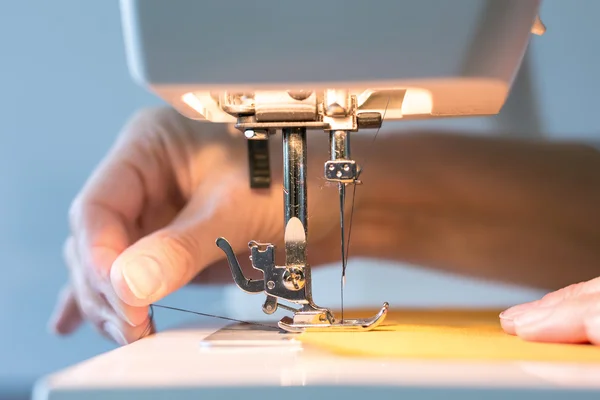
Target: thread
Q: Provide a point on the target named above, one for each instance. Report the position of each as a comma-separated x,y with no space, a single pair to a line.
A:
345,257
150,325
358,176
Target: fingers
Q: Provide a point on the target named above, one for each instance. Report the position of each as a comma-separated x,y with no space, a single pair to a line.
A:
570,315
508,316
562,323
170,258
98,245
86,299
66,317
105,220
135,177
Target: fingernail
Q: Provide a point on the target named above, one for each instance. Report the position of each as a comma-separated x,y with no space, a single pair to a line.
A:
519,309
115,333
143,277
505,314
508,326
510,314
532,317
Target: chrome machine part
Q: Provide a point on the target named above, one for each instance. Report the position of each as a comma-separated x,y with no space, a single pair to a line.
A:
340,111
294,113
294,176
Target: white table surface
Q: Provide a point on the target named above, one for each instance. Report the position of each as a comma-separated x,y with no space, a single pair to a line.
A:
189,363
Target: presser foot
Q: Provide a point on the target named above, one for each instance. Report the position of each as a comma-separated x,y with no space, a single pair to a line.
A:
314,322
291,283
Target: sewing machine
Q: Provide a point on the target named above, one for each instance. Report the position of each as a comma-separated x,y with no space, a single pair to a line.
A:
268,66
336,68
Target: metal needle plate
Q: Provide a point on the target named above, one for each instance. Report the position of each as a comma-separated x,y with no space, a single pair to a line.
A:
250,338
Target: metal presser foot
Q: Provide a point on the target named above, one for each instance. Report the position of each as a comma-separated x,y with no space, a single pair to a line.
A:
291,282
335,112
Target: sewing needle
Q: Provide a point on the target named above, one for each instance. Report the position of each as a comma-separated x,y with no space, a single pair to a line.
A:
342,189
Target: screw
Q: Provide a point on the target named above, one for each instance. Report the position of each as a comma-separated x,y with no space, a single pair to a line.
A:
249,133
293,279
271,285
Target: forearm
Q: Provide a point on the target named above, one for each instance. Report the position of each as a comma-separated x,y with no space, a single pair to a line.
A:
519,212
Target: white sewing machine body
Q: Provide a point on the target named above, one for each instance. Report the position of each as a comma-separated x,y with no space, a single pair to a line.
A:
432,58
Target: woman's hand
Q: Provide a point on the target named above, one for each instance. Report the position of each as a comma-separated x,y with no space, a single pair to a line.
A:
522,212
569,315
146,222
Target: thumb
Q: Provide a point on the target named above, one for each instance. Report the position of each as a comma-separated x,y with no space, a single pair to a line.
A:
160,264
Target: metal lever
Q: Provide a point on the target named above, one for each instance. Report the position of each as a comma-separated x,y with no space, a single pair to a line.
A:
291,283
247,285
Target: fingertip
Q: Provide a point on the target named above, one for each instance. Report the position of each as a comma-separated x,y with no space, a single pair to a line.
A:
64,323
143,330
120,286
507,317
123,334
138,281
507,324
115,332
560,323
61,328
66,317
512,312
154,267
135,316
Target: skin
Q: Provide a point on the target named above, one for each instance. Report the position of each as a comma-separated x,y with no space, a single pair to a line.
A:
525,212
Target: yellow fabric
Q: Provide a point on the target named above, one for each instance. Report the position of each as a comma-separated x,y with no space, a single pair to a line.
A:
447,334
